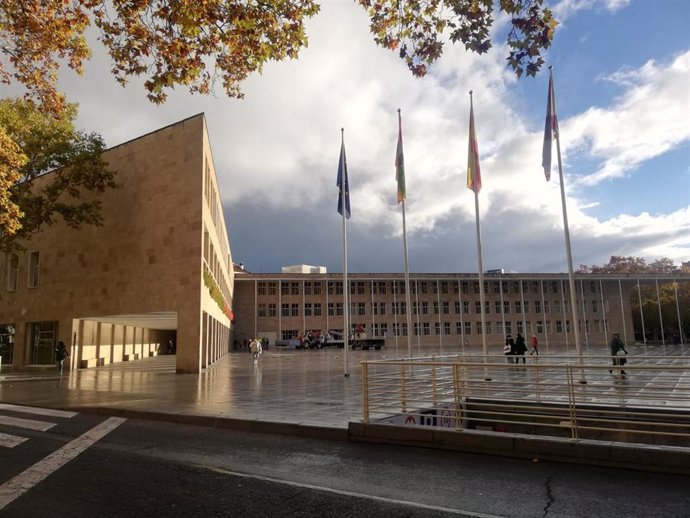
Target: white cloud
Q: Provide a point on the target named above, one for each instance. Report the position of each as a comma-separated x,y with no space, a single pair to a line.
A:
567,8
277,150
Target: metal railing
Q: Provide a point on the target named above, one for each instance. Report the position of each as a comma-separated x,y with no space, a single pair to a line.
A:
646,400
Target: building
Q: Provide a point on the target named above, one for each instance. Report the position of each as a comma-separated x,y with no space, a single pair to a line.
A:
446,308
159,268
304,268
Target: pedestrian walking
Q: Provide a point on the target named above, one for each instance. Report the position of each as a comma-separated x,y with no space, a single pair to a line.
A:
255,348
61,353
534,343
520,348
509,349
618,353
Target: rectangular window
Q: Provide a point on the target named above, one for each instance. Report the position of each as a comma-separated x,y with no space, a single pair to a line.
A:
437,328
361,309
546,306
488,328
289,334
272,288
425,308
537,306
285,310
540,326
426,329
424,287
12,272
518,307
497,304
307,309
458,328
360,287
457,307
261,311
435,307
520,328
294,288
446,307
509,327
272,310
444,287
396,329
415,308
554,287
559,326
317,309
477,307
466,307
285,288
479,328
499,328
506,306
382,308
465,287
331,309
526,310
34,268
317,288
294,310
595,306
307,288
468,328
261,288
557,306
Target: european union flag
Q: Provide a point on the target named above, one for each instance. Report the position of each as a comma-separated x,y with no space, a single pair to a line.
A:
343,184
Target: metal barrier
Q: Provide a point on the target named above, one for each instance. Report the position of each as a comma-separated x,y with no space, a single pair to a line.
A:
646,400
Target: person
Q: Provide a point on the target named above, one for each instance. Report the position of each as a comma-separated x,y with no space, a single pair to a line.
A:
61,353
509,349
535,345
264,344
520,348
618,352
171,346
255,348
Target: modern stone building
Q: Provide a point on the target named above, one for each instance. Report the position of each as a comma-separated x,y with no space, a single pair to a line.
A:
158,269
446,309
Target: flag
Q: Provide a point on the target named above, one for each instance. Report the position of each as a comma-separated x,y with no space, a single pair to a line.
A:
400,164
474,175
342,182
550,129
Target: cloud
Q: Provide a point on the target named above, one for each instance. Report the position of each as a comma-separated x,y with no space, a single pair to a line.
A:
276,155
567,8
647,120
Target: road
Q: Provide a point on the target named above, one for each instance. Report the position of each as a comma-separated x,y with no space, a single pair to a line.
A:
88,465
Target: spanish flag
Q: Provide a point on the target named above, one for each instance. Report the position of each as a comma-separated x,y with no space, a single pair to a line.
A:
474,175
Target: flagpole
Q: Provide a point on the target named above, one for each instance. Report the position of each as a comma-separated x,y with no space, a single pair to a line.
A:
407,284
346,286
474,182
568,251
400,177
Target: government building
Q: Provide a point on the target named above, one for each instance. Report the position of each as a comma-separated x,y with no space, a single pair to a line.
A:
158,278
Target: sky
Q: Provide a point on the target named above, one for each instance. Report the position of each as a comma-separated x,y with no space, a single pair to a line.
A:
622,83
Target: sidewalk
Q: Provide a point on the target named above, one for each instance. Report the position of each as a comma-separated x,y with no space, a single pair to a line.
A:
304,388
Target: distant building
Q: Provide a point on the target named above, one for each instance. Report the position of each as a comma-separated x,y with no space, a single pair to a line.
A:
304,268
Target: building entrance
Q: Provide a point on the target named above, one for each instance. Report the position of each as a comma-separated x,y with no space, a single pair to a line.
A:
42,341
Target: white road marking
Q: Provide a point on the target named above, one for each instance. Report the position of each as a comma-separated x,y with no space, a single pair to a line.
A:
418,505
14,488
10,441
29,424
37,411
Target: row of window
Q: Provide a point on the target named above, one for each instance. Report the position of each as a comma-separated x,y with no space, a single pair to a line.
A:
314,309
467,328
12,262
288,288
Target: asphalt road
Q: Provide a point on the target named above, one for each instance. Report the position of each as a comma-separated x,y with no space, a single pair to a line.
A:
150,469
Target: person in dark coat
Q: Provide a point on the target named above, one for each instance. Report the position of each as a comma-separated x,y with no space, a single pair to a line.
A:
61,353
520,348
618,352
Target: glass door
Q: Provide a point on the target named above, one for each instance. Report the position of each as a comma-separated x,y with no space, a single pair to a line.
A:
43,338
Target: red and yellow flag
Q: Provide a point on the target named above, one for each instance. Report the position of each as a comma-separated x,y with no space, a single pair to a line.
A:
474,175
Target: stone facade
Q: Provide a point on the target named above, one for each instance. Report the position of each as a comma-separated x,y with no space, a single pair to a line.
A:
122,290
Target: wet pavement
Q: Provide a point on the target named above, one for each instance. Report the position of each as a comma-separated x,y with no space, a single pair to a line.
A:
286,386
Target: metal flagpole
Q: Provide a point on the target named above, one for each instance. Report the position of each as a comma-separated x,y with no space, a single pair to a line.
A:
402,194
569,254
346,288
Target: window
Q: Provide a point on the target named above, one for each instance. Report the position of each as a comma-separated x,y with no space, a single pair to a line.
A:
360,288
294,310
488,328
468,328
415,327
546,306
465,287
6,342
425,308
554,287
499,328
426,329
261,311
540,326
272,288
496,287
457,307
261,288
518,307
444,287
497,304
307,288
285,288
435,307
556,306
289,334
509,328
34,266
317,309
446,307
382,308
415,308
595,306
294,288
466,307
424,287
475,287
506,306
520,329
317,288
537,307
272,310
361,309
526,310
308,309
477,307
479,328
458,328
12,272
559,326
396,329
285,310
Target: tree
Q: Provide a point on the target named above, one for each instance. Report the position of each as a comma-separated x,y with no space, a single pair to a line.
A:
190,43
620,264
52,169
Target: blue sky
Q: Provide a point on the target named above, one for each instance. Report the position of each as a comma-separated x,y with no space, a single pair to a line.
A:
622,72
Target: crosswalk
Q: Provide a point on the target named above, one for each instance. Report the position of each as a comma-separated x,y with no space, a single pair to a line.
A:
48,419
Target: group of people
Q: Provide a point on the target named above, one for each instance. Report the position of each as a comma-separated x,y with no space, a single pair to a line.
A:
515,349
